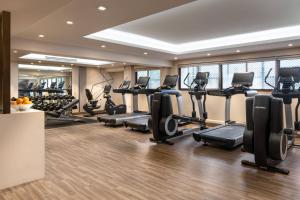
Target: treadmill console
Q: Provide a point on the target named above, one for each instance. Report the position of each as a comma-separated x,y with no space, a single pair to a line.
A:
242,79
123,88
142,82
170,82
240,85
125,85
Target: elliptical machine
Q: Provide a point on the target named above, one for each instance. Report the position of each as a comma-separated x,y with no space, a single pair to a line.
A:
165,124
265,136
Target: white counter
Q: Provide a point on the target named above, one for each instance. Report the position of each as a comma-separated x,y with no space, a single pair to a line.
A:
22,148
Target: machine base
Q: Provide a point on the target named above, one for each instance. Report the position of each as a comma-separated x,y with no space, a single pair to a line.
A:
266,168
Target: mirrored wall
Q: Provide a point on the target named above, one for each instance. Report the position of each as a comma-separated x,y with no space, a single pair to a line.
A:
44,80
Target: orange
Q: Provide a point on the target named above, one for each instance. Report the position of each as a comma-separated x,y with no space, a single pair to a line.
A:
27,102
25,99
19,101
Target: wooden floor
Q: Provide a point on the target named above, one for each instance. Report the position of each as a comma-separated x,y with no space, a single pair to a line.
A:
96,162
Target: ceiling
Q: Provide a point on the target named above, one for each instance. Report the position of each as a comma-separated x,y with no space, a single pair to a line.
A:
174,21
207,19
33,17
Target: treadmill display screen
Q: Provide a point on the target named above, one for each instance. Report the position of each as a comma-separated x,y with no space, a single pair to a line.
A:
143,81
171,81
243,79
290,72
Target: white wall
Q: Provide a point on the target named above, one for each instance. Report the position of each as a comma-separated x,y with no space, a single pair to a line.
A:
97,79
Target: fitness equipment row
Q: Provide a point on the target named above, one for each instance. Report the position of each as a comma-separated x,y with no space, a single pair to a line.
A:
38,90
264,136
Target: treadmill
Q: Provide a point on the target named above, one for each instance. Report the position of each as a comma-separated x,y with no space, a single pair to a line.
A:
170,82
118,119
229,135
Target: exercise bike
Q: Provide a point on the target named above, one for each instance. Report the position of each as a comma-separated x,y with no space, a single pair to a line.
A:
265,136
92,107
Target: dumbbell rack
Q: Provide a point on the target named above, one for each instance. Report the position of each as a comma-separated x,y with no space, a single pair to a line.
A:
51,102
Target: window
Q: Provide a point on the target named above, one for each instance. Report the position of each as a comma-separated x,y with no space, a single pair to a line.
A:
213,82
154,78
49,83
154,75
58,80
290,63
260,69
229,69
295,62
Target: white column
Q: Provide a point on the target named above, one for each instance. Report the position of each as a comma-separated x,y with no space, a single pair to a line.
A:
129,75
75,84
82,87
14,80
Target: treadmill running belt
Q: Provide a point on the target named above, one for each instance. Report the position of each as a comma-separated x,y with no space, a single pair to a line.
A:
140,124
119,118
228,136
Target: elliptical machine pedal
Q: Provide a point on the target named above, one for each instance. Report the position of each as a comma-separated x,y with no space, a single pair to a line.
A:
161,141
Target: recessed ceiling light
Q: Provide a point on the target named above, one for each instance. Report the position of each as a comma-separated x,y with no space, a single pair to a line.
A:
101,8
70,22
238,51
290,45
103,46
175,58
208,54
15,51
41,36
145,53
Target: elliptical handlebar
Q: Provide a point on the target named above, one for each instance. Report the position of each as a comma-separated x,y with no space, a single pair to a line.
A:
185,81
266,77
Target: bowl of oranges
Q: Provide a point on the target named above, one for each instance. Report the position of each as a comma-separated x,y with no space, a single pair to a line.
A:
21,104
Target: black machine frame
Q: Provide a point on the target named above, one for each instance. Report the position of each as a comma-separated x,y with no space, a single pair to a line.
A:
230,134
265,135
